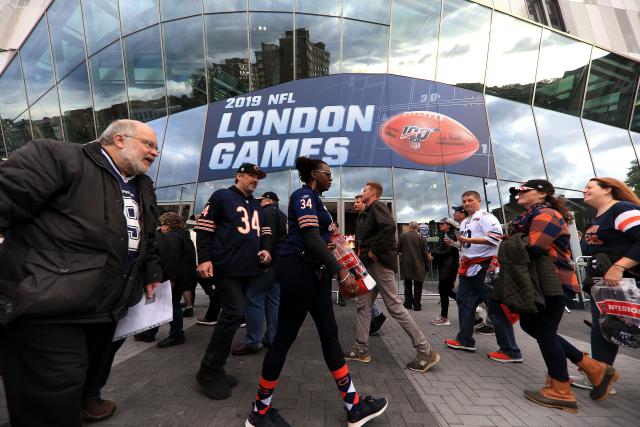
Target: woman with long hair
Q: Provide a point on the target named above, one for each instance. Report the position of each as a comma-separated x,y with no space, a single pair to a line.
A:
615,233
544,222
304,270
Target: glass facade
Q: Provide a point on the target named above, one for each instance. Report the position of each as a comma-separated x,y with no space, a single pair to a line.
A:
557,107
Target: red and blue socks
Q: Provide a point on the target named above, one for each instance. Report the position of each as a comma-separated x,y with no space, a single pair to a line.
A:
263,398
346,387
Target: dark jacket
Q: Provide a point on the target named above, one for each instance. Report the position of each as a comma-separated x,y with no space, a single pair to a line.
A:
412,248
377,233
524,280
446,258
187,276
65,251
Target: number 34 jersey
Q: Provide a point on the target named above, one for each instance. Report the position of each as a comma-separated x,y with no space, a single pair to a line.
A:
230,233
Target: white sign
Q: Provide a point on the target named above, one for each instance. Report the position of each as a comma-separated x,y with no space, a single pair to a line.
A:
148,313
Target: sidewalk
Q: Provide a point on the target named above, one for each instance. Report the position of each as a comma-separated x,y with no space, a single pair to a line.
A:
157,387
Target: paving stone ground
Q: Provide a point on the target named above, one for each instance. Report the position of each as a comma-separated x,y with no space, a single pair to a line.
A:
156,387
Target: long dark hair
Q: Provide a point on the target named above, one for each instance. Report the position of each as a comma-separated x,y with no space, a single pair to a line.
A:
560,205
305,166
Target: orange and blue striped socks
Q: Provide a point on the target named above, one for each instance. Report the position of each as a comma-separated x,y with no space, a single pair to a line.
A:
263,398
346,387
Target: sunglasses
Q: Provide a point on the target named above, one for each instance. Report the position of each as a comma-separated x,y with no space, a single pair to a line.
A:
328,173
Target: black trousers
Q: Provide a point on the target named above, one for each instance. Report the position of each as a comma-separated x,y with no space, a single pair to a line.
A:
231,293
412,293
445,289
45,369
301,292
214,298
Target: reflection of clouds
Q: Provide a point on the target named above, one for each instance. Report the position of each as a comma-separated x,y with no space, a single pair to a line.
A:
325,30
226,36
182,148
515,143
420,195
74,90
183,41
145,94
356,178
456,50
611,149
525,44
364,47
565,150
47,106
326,7
175,88
371,10
560,54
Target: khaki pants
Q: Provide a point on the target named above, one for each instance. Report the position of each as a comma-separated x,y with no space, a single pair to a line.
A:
386,286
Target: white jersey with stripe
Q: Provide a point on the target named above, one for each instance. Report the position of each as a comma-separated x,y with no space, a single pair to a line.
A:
485,225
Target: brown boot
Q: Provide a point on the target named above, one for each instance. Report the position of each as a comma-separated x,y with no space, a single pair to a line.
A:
98,409
555,394
601,375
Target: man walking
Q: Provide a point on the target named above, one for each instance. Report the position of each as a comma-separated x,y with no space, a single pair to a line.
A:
231,244
80,247
413,265
480,234
266,295
378,253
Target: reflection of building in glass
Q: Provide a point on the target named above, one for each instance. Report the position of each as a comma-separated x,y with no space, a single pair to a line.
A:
274,62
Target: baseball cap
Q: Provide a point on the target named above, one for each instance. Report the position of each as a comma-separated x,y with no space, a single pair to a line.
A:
449,221
457,209
534,184
271,195
251,168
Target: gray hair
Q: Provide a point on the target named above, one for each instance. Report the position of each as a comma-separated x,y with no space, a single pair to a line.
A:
121,127
413,225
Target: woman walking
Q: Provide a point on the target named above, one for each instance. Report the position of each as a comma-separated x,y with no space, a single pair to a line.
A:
304,270
544,222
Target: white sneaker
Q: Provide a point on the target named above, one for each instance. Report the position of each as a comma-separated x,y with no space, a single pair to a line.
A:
440,321
581,381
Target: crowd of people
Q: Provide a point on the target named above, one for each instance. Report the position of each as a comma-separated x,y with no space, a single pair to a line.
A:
84,240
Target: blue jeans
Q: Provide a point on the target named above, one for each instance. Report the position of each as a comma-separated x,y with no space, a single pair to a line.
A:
471,291
261,298
601,349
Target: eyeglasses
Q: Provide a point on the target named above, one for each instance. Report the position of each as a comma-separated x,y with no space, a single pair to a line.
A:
146,142
523,189
325,172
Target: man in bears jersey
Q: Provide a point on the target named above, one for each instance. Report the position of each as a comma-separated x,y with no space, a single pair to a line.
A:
234,245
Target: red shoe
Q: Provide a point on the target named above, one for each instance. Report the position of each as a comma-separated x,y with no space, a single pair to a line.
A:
499,356
455,344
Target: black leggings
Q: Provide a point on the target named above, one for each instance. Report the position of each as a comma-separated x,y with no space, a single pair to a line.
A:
302,292
445,289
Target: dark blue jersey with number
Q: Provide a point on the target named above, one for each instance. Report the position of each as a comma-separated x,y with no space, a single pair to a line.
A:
305,210
230,232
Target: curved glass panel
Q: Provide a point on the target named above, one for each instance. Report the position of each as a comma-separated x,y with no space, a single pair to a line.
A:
419,196
181,154
45,117
514,140
109,93
317,46
464,41
138,14
184,56
564,147
145,76
36,62
101,23
364,47
562,73
206,189
274,5
76,106
334,191
372,10
17,132
271,38
611,88
13,99
513,54
487,188
278,182
414,38
180,194
635,138
212,6
354,180
3,149
172,9
611,149
67,35
158,126
227,55
326,7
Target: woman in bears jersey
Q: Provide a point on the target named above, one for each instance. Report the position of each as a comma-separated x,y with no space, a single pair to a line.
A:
304,270
615,233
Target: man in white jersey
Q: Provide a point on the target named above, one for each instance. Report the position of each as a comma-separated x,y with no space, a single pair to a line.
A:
480,234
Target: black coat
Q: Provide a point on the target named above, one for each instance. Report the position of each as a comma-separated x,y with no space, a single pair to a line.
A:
413,256
446,258
377,233
178,259
65,251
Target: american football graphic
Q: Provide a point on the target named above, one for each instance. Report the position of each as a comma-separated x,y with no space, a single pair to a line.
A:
428,138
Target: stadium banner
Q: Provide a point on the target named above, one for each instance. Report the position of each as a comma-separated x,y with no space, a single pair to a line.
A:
350,120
